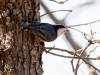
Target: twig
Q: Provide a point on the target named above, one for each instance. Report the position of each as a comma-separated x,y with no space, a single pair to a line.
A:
60,2
88,44
95,41
81,32
91,65
54,11
77,65
82,24
63,50
72,65
78,31
90,52
69,56
51,48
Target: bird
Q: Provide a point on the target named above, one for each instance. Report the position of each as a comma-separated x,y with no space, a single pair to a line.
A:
44,32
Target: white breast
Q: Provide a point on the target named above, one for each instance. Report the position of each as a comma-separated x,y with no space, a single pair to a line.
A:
60,31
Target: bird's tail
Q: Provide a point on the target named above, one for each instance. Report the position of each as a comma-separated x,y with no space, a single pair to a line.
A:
28,26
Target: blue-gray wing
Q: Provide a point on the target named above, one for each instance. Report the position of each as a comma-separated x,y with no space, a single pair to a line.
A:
43,31
48,31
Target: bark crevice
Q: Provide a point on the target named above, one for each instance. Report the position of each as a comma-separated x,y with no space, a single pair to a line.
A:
18,55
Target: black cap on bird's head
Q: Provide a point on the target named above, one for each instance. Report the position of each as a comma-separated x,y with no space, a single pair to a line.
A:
60,29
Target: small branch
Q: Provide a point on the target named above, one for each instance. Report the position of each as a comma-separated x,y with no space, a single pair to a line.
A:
63,50
54,11
72,65
60,2
78,31
90,52
94,41
82,24
69,56
84,49
77,65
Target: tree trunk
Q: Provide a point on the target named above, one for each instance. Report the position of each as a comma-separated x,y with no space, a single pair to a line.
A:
18,55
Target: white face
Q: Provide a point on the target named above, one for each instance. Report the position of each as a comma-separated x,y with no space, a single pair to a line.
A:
61,31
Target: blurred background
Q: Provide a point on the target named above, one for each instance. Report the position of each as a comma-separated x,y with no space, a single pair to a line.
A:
83,11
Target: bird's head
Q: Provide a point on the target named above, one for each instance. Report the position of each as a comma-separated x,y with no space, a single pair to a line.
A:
60,29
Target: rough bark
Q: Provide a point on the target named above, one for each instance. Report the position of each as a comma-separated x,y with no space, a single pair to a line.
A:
18,55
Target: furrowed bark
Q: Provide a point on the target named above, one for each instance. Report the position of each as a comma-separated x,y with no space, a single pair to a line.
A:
18,53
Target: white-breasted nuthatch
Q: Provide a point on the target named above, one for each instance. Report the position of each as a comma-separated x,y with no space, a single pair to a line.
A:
44,31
